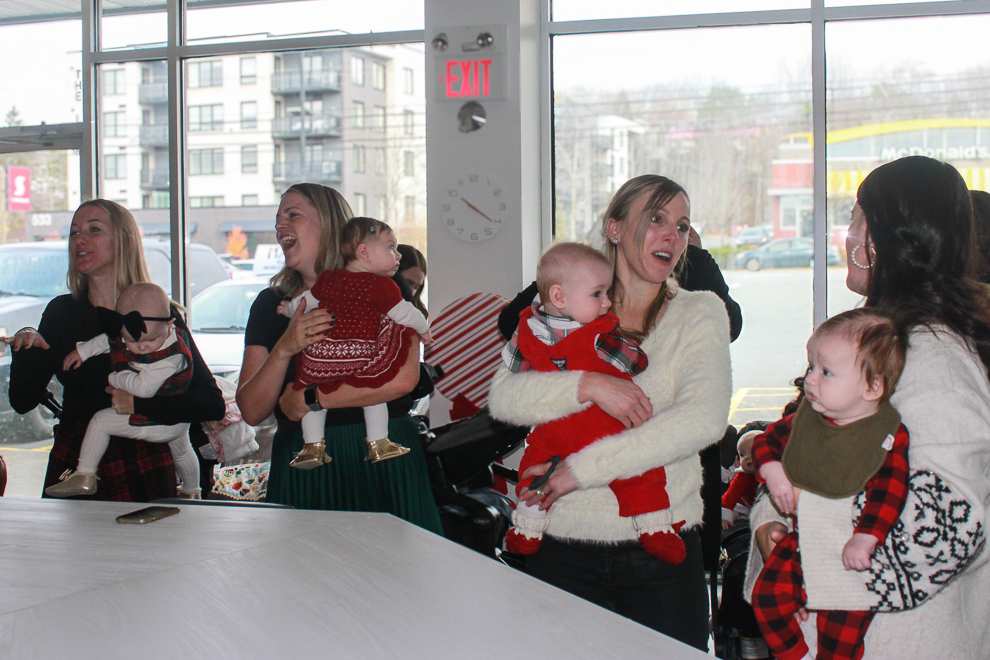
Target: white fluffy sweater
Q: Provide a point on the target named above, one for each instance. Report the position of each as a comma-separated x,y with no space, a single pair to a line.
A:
689,384
944,400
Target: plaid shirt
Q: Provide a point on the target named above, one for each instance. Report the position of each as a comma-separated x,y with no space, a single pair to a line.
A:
886,491
612,347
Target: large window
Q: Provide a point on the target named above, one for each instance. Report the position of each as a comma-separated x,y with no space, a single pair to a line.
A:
205,74
206,117
205,161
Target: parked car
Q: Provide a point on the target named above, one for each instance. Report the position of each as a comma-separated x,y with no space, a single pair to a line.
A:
753,236
218,318
785,253
31,274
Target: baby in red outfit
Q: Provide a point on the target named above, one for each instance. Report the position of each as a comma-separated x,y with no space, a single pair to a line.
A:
572,330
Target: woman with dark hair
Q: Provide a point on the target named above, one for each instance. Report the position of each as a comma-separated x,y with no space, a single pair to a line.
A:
412,268
909,253
672,410
981,233
307,225
105,257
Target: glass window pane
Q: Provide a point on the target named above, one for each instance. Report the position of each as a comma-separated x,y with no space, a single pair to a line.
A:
578,10
22,100
715,129
299,121
280,19
123,29
914,87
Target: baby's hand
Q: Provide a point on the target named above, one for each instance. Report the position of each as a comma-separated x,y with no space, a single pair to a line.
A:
427,338
72,360
781,488
857,552
726,524
283,307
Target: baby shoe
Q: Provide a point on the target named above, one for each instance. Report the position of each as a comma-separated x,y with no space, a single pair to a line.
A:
313,455
384,449
526,534
72,484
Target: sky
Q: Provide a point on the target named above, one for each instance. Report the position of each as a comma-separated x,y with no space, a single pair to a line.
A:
37,76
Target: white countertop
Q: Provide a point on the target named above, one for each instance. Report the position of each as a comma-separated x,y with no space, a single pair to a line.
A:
241,583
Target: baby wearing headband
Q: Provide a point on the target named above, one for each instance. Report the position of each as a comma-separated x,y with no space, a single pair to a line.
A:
150,357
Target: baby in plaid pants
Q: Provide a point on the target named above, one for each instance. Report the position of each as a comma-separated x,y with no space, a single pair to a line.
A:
844,438
572,330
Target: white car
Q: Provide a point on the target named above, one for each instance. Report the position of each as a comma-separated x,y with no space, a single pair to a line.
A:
217,319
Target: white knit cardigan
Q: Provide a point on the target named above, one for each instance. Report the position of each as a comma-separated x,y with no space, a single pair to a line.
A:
944,400
688,382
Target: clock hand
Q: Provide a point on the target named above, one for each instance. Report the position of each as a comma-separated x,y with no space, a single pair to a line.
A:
477,210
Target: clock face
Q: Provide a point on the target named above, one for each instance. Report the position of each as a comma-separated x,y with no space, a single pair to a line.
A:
474,207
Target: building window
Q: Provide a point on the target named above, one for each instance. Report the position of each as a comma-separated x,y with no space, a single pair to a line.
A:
115,166
357,70
249,160
378,72
205,161
408,122
408,78
379,118
113,81
205,74
358,158
359,204
206,117
358,114
113,124
249,200
408,163
379,160
249,114
205,202
249,71
410,204
383,208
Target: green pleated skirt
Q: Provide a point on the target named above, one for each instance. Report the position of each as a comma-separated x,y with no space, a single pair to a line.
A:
400,486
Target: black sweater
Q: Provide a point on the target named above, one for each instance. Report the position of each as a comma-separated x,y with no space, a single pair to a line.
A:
67,321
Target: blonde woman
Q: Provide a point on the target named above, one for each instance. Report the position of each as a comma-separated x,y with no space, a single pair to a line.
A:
671,411
307,225
105,257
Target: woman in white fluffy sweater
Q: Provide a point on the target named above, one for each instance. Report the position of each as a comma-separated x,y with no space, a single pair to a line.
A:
909,252
672,410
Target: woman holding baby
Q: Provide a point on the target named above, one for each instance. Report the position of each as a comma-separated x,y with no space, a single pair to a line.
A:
307,225
105,257
671,411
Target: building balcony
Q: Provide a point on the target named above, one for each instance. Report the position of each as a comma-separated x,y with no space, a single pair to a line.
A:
154,178
316,126
327,171
293,82
154,135
151,93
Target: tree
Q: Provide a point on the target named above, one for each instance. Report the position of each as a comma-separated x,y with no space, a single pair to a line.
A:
13,117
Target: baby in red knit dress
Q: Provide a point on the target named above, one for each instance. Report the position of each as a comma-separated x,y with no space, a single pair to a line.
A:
572,330
369,342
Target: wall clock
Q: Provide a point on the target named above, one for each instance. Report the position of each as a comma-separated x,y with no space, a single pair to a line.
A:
474,207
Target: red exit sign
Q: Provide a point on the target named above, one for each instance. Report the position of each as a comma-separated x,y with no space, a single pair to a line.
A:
474,78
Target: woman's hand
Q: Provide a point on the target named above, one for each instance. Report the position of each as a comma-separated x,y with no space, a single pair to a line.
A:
122,402
293,404
768,535
622,399
305,329
561,483
781,489
26,338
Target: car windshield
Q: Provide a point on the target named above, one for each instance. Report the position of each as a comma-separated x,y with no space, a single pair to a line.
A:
224,309
33,272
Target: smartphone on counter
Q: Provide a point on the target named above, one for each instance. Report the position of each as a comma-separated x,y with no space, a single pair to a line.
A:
148,514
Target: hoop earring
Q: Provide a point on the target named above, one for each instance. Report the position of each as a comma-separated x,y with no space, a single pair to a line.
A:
852,258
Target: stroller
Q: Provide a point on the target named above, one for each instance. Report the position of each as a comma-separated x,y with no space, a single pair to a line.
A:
734,628
461,458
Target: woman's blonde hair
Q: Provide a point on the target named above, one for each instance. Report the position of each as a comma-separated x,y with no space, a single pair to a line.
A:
334,212
129,264
661,191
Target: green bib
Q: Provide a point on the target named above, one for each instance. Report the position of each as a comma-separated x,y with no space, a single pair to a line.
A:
837,461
